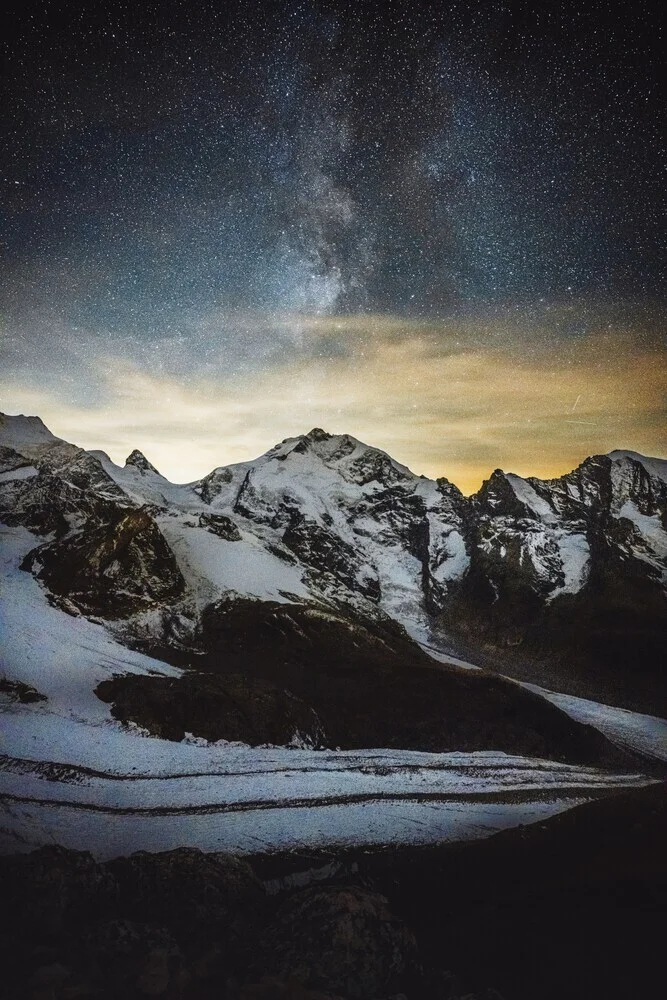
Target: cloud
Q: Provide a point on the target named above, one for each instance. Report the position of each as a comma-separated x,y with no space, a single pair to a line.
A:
445,400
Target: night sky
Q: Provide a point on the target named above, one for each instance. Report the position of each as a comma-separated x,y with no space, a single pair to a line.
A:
439,227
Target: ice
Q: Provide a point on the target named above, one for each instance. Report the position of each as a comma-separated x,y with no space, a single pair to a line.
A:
118,792
651,532
574,552
213,566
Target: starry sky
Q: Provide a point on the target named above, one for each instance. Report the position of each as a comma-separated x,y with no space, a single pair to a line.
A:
438,227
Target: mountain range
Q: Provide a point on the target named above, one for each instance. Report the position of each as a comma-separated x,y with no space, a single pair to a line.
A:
325,593
571,571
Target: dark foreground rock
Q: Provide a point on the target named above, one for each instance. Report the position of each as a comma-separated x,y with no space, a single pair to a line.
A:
341,941
51,889
181,924
573,907
135,959
215,895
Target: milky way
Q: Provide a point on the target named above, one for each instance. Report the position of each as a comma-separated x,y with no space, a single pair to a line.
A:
189,187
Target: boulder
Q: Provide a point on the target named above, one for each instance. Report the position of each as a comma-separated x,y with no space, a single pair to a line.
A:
205,896
50,889
341,941
135,959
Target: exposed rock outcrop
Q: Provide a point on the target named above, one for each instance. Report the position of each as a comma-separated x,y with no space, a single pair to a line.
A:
234,707
117,567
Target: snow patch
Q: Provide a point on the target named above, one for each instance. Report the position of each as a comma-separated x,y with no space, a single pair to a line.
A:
213,566
24,472
574,554
528,496
62,656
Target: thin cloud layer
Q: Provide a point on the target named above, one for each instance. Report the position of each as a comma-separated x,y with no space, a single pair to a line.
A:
453,401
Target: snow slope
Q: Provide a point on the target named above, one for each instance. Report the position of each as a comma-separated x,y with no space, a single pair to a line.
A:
21,431
213,566
61,655
646,734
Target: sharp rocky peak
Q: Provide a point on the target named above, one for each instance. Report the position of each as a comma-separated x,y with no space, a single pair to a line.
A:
140,462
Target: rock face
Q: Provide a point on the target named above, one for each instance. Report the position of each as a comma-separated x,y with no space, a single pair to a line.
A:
220,525
117,567
63,489
370,685
13,691
570,571
140,462
342,941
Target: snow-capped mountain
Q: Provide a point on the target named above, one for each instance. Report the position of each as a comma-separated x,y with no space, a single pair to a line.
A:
328,519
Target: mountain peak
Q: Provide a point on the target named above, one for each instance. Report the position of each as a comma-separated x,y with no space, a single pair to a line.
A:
317,434
22,430
654,466
140,462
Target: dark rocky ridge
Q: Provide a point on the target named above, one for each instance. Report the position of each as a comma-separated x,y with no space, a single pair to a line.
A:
230,707
140,462
367,682
117,567
611,635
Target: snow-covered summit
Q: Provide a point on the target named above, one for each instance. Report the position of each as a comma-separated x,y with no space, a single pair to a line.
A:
654,466
314,456
353,459
351,514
